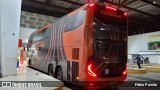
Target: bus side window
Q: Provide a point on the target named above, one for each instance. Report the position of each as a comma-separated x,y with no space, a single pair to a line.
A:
80,18
39,35
74,20
47,34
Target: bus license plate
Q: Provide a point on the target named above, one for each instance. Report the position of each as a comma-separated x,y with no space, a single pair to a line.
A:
111,83
106,71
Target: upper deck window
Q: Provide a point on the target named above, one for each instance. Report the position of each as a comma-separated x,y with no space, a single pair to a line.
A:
75,20
39,35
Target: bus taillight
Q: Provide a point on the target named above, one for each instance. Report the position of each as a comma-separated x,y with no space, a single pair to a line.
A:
125,14
111,8
91,5
90,72
124,72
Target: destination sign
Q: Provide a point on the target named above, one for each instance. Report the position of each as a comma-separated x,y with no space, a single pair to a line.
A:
112,14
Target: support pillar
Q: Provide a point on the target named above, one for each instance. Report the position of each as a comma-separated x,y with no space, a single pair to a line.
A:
10,11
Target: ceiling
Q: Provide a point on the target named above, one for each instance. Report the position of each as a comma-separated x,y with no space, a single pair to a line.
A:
143,15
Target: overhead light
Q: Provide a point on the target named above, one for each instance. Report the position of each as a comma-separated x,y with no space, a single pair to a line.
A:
102,28
154,2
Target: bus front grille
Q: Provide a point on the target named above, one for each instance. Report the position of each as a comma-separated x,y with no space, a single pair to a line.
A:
107,50
109,53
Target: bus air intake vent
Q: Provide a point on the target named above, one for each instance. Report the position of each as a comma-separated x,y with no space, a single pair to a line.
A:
75,71
110,53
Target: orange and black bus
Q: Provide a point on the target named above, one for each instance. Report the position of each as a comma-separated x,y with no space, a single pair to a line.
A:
88,44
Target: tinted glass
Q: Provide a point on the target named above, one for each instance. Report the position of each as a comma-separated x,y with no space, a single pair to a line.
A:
74,21
39,35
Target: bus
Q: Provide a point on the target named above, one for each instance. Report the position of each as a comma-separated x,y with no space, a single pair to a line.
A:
87,45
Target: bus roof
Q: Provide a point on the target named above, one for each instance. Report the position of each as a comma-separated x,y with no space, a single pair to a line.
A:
69,14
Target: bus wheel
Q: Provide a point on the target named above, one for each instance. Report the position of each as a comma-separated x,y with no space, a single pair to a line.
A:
59,73
50,71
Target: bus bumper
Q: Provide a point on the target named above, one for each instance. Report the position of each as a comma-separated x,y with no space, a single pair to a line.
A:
104,82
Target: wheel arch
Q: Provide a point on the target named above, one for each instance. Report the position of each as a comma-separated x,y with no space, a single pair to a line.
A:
49,67
56,69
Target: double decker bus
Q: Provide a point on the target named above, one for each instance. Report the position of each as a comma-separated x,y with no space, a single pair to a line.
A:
88,44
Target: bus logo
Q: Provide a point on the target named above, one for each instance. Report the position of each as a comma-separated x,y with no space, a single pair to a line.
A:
111,14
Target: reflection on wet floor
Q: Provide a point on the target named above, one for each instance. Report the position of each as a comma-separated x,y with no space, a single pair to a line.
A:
150,76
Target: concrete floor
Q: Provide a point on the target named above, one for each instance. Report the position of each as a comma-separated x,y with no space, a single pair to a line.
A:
28,74
133,78
150,76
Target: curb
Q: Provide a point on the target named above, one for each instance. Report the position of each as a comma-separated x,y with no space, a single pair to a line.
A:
151,68
147,64
137,71
154,69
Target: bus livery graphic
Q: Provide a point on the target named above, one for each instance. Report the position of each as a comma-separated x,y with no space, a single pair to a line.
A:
85,46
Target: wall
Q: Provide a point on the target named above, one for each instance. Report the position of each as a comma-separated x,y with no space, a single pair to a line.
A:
32,21
25,33
9,33
139,42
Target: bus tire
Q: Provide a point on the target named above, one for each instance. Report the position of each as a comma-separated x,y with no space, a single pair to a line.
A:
50,71
59,73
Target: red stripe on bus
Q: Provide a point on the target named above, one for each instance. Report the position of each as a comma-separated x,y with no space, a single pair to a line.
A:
51,41
53,45
42,28
60,38
62,30
49,49
52,38
54,41
58,47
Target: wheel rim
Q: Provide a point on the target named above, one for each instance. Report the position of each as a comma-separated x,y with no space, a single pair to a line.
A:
51,71
59,76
